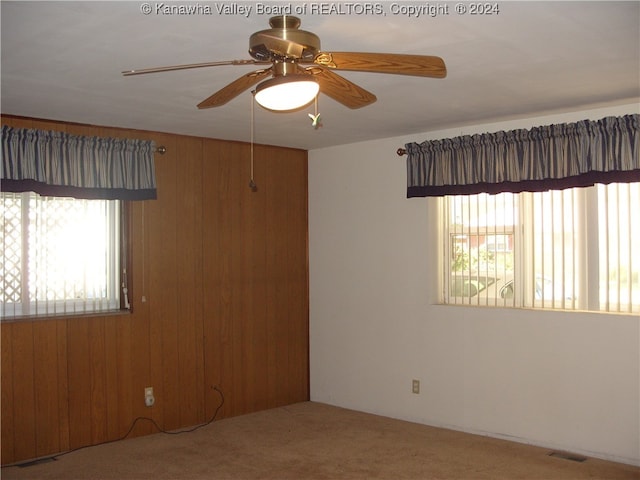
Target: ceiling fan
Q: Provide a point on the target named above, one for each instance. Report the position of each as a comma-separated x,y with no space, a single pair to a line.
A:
298,65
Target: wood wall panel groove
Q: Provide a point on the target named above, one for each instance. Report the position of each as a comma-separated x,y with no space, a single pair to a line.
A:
111,377
7,410
98,416
216,295
189,261
79,368
224,273
24,405
163,315
62,360
46,392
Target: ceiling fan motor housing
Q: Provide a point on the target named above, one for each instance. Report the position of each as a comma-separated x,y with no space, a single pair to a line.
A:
284,41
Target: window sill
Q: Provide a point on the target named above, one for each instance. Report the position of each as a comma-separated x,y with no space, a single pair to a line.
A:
66,316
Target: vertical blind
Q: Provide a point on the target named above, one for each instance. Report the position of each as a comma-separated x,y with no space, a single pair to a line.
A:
571,249
60,255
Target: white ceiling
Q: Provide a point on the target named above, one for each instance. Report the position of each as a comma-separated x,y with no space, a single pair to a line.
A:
62,61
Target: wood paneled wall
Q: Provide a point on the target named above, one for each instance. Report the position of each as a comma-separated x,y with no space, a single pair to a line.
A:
224,274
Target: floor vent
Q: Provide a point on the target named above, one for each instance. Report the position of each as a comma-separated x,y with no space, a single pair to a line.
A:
568,456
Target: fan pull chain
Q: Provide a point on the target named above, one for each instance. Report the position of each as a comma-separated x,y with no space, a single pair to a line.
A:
252,183
315,117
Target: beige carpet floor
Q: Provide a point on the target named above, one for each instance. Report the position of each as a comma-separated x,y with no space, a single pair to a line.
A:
316,441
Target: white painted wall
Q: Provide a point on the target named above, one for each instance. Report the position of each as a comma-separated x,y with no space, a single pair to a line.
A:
562,380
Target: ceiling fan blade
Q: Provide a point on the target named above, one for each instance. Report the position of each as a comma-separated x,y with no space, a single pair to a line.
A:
142,71
341,89
234,89
401,64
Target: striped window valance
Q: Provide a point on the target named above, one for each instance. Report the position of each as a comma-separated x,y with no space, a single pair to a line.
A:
542,158
58,164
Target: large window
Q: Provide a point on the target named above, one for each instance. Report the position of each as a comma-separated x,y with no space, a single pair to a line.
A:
60,255
574,249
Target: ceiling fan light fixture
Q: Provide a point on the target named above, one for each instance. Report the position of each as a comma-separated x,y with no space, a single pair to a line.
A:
287,92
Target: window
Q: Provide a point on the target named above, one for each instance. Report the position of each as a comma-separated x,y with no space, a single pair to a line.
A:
574,249
60,255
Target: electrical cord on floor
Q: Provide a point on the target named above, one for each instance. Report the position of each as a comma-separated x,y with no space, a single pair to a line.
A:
133,424
177,432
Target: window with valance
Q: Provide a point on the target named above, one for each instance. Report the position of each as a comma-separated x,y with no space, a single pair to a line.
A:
64,216
539,218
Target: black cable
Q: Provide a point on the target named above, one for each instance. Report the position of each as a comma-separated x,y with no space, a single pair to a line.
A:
133,424
168,432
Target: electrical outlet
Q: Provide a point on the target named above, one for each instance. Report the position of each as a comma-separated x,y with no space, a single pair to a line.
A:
149,399
415,386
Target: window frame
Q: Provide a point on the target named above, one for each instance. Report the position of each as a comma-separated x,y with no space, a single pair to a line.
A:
586,260
119,290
